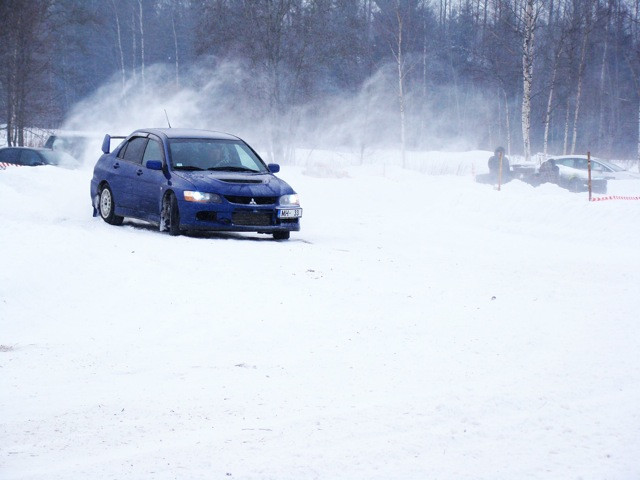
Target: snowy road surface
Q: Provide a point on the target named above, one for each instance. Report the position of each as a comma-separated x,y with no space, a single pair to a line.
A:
418,327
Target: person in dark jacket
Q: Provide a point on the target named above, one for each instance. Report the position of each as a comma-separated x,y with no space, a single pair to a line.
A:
494,166
549,172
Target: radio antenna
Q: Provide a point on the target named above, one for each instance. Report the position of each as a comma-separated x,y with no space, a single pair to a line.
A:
166,115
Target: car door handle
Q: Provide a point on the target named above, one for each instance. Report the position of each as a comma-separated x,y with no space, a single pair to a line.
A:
139,172
116,165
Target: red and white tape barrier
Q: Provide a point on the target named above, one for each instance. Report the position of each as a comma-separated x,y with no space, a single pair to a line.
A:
4,165
615,197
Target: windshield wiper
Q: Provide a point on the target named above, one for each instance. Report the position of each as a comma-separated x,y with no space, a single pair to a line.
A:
230,168
188,167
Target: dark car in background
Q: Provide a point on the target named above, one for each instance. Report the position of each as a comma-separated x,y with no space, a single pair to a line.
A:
33,157
80,145
185,179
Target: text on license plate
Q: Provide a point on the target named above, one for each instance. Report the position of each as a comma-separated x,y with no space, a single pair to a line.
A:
290,213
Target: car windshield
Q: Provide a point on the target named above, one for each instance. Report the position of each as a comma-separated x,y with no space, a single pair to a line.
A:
612,166
54,157
214,155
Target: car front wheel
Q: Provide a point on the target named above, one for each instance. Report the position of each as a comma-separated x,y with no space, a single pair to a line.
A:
107,206
170,216
281,235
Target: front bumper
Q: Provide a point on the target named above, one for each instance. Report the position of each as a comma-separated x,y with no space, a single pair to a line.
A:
232,218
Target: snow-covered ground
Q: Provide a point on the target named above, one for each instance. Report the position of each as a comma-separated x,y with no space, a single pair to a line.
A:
418,327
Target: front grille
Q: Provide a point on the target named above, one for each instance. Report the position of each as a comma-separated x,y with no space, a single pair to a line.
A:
246,218
247,200
206,216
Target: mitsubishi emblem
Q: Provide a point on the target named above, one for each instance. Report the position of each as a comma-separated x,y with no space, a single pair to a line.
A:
252,202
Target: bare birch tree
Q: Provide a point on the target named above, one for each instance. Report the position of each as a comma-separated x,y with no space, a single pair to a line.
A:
144,86
177,51
119,42
581,67
400,64
552,87
530,20
134,46
395,16
23,64
556,39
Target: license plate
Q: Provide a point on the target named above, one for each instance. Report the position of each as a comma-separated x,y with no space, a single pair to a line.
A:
290,213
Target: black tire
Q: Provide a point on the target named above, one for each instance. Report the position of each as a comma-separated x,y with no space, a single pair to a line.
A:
281,235
170,215
107,206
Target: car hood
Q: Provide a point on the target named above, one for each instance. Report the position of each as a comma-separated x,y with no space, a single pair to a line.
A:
623,175
234,183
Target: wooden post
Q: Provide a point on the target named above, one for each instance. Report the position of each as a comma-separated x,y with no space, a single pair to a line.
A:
500,169
589,172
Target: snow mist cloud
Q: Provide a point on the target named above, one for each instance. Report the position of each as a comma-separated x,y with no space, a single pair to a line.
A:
227,97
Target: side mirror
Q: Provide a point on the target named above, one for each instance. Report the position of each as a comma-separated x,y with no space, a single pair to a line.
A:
106,144
274,167
154,165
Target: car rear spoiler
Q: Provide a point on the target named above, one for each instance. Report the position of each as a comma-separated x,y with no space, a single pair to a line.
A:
106,143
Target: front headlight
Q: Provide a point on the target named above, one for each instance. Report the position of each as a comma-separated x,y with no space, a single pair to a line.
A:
291,199
201,197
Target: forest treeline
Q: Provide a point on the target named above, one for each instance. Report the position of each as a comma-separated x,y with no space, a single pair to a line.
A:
533,75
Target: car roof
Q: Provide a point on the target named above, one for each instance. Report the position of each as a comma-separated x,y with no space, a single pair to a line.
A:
560,157
170,133
38,149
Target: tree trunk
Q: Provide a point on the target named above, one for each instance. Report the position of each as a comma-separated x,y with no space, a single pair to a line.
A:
547,118
134,47
602,78
566,127
424,68
175,43
507,121
401,99
583,55
144,87
638,135
122,70
10,106
527,75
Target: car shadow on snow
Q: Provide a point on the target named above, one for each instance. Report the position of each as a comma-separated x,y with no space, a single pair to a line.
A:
208,235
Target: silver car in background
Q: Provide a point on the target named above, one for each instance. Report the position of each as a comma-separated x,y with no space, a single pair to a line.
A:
573,173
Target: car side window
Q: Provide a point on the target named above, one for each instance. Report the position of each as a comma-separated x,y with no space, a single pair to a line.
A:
580,163
567,162
122,150
134,149
153,151
30,158
597,167
10,155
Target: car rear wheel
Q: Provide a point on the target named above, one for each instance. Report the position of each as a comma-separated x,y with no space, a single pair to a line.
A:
170,216
107,206
281,235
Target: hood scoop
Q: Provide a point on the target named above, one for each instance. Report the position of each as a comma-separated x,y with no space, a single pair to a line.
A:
239,180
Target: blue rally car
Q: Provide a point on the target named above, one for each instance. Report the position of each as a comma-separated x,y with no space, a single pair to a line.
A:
192,180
